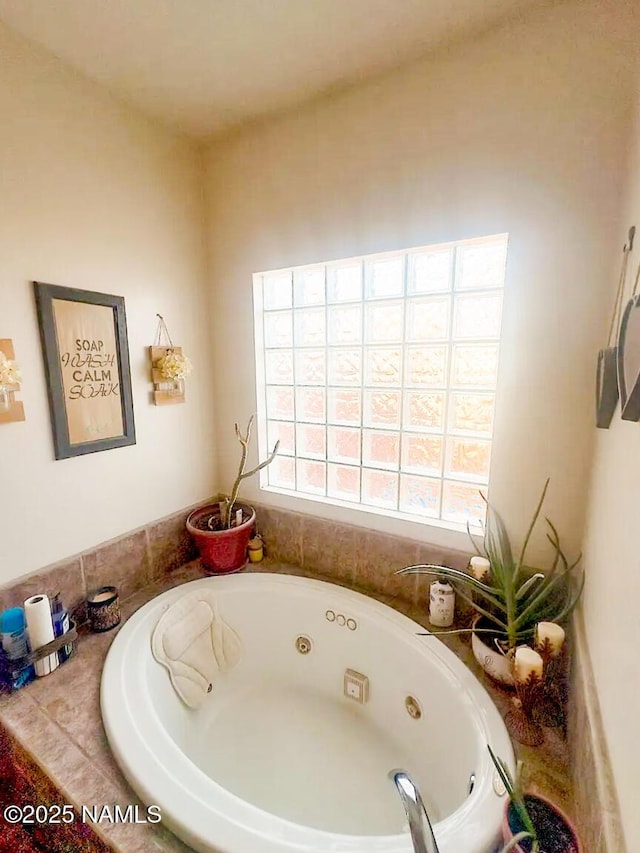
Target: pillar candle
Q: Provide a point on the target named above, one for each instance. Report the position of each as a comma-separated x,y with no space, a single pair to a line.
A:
480,567
527,663
550,635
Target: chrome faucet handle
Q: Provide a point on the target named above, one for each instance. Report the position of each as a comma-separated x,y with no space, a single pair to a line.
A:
424,841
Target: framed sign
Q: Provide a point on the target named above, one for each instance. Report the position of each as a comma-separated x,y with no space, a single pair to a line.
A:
86,359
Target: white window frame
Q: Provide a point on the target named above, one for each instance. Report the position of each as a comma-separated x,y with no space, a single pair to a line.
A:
447,478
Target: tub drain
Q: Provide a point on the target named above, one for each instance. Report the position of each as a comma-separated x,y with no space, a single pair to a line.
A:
303,645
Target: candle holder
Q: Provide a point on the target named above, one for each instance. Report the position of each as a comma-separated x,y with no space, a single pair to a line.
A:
550,644
549,712
520,721
103,608
549,709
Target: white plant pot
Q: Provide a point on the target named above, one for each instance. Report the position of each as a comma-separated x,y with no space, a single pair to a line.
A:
494,663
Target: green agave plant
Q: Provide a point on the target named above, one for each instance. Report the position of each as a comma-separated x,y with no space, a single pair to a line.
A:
516,795
514,598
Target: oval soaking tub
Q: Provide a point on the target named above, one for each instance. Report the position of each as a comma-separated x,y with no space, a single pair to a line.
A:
278,759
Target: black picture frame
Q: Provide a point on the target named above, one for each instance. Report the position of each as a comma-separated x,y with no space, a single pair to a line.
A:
45,294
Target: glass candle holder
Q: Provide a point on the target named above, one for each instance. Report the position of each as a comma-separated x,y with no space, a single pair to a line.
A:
5,398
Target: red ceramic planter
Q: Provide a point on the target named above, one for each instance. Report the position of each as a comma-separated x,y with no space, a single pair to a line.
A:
556,833
222,551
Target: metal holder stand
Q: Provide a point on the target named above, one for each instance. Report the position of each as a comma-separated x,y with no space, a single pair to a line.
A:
10,669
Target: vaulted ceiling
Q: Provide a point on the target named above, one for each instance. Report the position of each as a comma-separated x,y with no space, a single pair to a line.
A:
203,66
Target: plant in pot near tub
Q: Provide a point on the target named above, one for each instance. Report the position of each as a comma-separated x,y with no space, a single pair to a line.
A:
222,531
531,823
510,599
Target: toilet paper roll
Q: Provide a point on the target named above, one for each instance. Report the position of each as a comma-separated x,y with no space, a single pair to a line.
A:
40,627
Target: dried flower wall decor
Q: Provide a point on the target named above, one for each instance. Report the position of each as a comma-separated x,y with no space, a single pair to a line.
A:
10,408
169,368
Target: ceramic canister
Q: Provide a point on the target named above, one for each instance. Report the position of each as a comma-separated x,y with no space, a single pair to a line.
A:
442,601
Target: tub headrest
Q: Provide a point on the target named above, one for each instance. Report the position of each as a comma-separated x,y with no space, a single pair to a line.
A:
193,643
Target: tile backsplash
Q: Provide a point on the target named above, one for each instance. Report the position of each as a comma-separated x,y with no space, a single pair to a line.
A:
129,562
354,556
596,803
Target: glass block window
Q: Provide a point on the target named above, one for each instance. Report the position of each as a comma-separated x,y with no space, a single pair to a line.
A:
378,377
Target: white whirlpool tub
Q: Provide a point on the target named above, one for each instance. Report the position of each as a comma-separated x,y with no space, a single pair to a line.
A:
278,759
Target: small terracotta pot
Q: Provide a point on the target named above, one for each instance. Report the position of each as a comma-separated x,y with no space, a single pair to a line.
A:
222,551
494,663
555,817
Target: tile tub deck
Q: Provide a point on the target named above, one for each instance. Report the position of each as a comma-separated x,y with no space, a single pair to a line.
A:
56,720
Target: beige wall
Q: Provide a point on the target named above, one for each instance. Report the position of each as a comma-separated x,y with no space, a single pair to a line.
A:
612,560
523,131
94,197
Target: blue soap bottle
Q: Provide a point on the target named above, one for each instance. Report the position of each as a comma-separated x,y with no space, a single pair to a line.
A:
60,619
13,630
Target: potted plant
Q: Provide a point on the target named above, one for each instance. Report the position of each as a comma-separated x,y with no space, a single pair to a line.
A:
531,823
511,599
221,531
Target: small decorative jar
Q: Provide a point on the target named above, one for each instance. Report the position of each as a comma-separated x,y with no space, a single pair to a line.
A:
256,549
442,602
103,608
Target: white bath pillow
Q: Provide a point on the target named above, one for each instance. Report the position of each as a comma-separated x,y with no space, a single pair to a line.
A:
194,643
